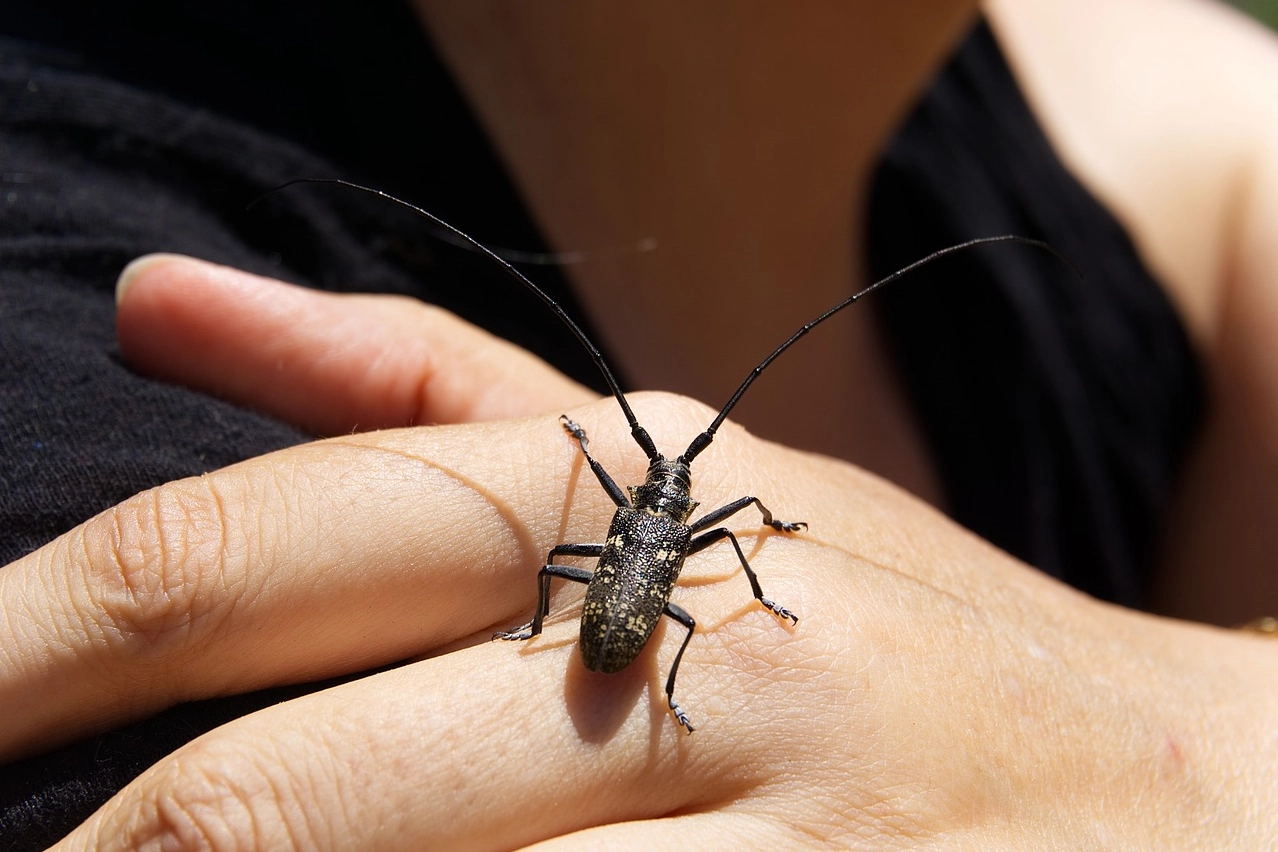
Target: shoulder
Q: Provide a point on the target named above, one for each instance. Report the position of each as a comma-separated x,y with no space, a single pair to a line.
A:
1165,110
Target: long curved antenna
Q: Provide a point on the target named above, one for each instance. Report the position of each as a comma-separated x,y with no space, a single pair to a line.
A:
703,440
641,436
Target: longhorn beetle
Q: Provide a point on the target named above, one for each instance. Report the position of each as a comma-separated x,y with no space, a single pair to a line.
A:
650,536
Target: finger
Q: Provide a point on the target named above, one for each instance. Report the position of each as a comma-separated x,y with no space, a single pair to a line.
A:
329,363
479,749
326,558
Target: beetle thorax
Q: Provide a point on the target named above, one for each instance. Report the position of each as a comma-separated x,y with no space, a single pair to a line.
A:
666,490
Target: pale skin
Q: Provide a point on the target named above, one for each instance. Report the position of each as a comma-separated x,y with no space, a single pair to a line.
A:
935,693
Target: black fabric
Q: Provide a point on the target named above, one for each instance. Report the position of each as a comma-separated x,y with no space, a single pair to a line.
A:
1058,410
131,127
115,143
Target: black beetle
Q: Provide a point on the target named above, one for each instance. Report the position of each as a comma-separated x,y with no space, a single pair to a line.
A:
640,560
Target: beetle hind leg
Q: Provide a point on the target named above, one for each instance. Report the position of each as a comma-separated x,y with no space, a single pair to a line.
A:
680,615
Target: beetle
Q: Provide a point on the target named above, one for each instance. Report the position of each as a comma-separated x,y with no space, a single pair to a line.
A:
640,560
650,535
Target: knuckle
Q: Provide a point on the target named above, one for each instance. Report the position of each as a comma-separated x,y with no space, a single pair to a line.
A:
222,799
157,565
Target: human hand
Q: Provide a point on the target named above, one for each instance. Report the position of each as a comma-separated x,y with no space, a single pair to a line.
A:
934,691
329,363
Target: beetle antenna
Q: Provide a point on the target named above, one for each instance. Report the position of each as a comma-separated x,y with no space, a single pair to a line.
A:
703,440
641,436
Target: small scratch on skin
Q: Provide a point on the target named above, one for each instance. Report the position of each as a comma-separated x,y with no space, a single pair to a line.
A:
1173,750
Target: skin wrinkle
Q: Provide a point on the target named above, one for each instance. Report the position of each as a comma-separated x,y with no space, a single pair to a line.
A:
245,779
120,522
878,815
966,604
423,357
292,486
168,821
343,778
872,799
404,562
152,597
235,595
867,809
95,647
291,787
471,794
427,373
77,617
525,541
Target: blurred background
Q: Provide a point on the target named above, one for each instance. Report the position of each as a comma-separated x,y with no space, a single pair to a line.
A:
1265,10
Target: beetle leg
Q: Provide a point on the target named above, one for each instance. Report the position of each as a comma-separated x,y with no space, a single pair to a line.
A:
680,615
703,541
544,576
566,550
614,491
736,506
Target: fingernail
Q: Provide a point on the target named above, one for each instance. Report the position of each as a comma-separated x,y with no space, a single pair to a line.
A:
136,267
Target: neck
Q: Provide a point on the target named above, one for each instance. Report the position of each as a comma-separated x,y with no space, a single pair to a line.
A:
742,149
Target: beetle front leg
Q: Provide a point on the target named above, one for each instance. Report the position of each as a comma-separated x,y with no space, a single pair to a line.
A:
609,484
736,506
680,615
544,576
701,542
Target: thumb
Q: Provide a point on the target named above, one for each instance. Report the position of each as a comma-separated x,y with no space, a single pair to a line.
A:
326,362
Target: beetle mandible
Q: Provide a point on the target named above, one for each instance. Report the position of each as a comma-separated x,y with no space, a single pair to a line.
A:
650,534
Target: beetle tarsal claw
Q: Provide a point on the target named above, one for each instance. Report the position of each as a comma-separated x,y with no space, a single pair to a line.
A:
787,526
680,716
780,611
522,633
571,427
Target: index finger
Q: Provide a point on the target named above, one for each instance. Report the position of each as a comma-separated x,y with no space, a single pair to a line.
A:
317,560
